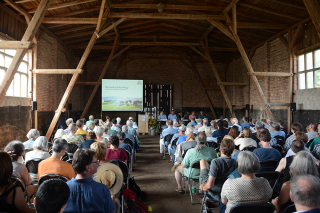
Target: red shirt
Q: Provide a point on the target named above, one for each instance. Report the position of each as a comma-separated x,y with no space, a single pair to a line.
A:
118,154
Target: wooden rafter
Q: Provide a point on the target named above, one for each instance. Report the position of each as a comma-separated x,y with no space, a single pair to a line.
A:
64,20
15,44
260,25
20,53
168,6
62,5
57,71
290,3
314,11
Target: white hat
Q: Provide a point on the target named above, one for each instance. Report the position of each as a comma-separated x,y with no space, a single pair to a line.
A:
110,175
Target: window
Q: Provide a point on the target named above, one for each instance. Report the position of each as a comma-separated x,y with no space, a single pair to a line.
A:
19,85
309,70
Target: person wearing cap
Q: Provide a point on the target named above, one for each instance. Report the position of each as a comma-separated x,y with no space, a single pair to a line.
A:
87,195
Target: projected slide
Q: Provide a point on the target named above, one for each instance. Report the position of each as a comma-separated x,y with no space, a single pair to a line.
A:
122,95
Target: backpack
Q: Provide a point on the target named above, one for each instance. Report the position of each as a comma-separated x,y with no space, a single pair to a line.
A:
136,189
134,204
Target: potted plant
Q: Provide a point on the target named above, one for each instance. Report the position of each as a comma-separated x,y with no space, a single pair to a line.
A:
152,126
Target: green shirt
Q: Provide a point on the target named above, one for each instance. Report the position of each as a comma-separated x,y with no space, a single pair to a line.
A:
314,142
192,156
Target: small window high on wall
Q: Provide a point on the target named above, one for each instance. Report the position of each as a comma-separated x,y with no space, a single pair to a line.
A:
309,70
19,85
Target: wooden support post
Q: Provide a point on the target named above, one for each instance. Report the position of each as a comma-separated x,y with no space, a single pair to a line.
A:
234,19
193,68
34,82
28,36
234,80
314,12
71,85
290,80
101,77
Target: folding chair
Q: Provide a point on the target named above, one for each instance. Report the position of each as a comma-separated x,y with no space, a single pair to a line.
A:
219,181
133,151
195,165
128,161
273,177
269,164
43,178
124,168
167,139
18,182
290,209
32,166
131,157
280,140
252,208
214,145
71,149
65,157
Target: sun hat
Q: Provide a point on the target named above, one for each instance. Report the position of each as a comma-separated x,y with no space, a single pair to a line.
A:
110,175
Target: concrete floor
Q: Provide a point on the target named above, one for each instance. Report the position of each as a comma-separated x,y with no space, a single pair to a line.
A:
154,176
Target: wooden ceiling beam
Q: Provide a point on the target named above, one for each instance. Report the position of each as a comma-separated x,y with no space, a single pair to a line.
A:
77,12
168,6
159,44
314,12
256,18
260,25
223,49
95,47
180,28
226,10
15,44
196,2
58,20
62,5
290,4
57,71
74,35
165,16
160,37
73,29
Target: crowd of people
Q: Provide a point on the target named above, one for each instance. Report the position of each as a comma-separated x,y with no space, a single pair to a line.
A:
87,180
226,147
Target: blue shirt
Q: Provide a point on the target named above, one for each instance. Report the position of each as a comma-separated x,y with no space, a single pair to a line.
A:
181,139
202,116
217,133
244,125
275,133
172,117
311,211
267,154
87,195
119,126
177,128
162,117
29,144
167,131
124,146
86,144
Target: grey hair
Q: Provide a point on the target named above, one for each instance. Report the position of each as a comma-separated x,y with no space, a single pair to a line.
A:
106,128
91,118
201,138
303,163
99,131
259,124
40,143
248,163
59,145
59,133
124,128
190,129
129,122
118,120
108,124
275,126
175,122
121,136
33,133
72,127
69,121
269,119
205,122
235,120
199,120
17,147
305,190
169,122
182,128
191,124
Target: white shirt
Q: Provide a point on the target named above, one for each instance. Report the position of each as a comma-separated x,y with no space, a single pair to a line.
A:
116,128
36,154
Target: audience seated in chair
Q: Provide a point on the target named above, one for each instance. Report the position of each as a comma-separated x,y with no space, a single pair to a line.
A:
221,130
174,142
312,131
12,198
245,122
91,127
32,135
246,140
91,119
234,132
54,165
213,126
114,152
246,189
130,136
316,140
87,195
183,147
121,135
52,196
91,138
167,131
305,193
68,122
208,132
266,152
114,125
294,128
72,137
302,136
234,122
302,164
100,150
201,151
59,134
80,126
276,130
19,170
38,152
221,166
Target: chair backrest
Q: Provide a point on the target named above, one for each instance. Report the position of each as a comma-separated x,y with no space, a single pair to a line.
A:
219,139
168,138
185,152
128,141
130,147
249,148
51,176
290,209
194,165
309,143
71,148
278,147
280,140
124,167
65,157
252,208
174,142
270,164
272,177
50,144
18,182
32,165
219,181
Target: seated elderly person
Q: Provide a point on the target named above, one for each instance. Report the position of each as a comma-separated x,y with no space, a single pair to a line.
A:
100,150
221,130
234,121
106,129
39,146
199,124
114,152
222,166
32,135
91,118
275,130
201,151
12,199
172,147
118,122
205,125
213,126
130,136
209,134
299,135
122,145
246,140
19,170
80,126
91,127
54,165
68,122
167,131
72,137
183,147
302,164
248,188
99,134
176,124
87,195
315,141
114,125
59,133
305,193
312,131
91,138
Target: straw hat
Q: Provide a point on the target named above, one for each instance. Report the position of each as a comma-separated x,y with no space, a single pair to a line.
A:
110,175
